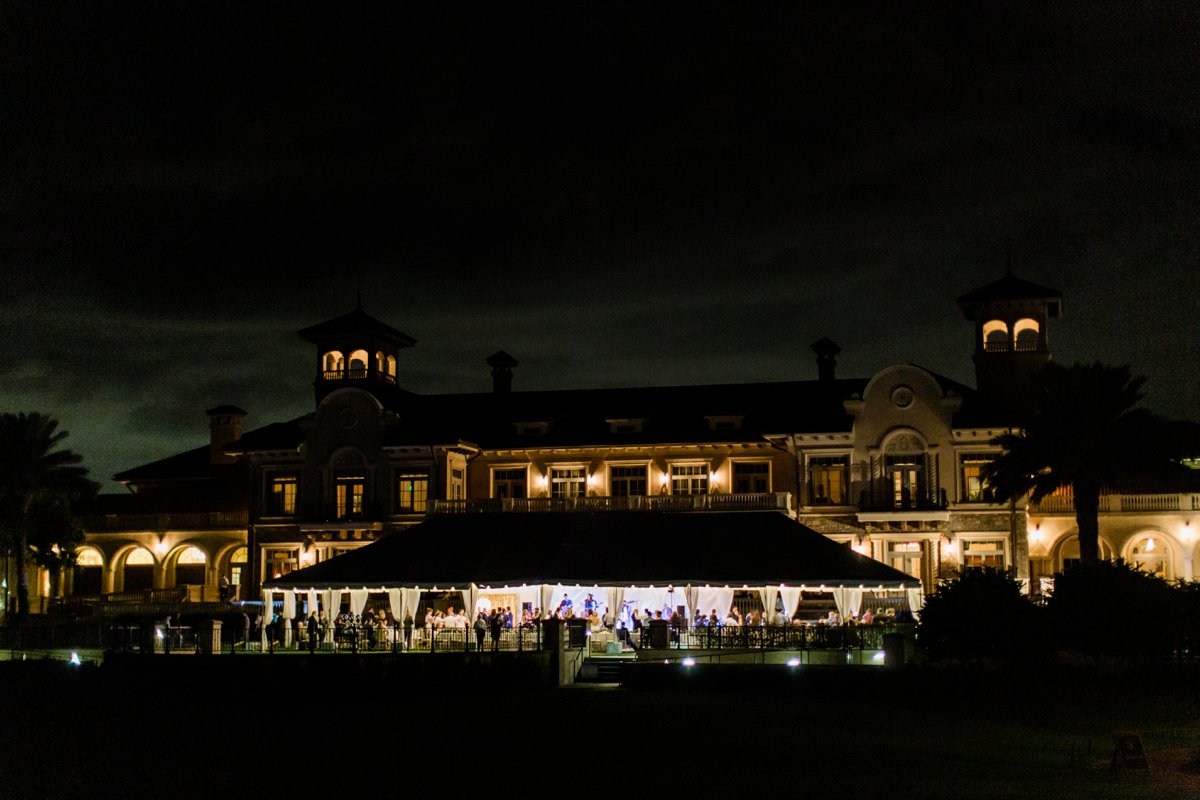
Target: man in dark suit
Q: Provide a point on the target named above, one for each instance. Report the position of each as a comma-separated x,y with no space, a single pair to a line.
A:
312,632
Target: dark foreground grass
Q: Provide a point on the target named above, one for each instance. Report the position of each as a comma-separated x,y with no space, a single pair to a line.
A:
924,734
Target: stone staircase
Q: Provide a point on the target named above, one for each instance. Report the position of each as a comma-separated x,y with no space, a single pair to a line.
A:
606,669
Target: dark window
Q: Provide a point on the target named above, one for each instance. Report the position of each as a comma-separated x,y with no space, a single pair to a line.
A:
751,477
627,481
509,483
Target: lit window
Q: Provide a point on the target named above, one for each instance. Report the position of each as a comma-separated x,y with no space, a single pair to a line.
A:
979,554
907,476
1149,554
568,482
413,494
283,495
689,479
458,485
974,488
139,558
89,558
192,555
907,557
349,494
237,566
827,479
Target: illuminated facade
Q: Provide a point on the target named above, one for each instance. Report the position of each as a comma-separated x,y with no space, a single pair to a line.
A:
888,465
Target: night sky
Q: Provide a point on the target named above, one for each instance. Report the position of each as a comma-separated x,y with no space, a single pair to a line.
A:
617,194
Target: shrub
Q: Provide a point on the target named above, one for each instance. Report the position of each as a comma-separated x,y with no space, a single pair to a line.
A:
1113,609
980,615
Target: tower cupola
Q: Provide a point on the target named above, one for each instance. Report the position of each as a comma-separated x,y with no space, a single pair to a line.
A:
1012,340
356,350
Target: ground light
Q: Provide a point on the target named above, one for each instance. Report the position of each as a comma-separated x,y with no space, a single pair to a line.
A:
689,662
878,656
75,658
793,662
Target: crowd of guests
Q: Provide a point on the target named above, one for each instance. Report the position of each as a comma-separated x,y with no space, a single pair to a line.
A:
377,628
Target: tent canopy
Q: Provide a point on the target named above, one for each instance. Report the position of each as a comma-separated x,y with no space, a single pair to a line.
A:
608,548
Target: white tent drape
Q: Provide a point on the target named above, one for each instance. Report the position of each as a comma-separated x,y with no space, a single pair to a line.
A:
267,615
530,595
412,603
768,594
854,601
333,604
547,598
916,599
289,614
615,597
717,599
691,596
653,598
312,601
358,601
791,600
470,598
841,599
396,603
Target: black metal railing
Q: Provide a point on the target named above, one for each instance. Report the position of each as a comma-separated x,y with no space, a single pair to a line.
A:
332,512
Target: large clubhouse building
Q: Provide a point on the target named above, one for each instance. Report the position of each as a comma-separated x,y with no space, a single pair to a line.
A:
888,465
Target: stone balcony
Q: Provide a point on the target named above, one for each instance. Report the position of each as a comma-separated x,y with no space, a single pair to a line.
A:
765,501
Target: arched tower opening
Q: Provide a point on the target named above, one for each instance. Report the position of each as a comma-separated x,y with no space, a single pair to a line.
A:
1011,342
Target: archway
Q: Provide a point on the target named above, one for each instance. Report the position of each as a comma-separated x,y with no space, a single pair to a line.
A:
1151,552
1068,552
190,566
137,573
88,577
1025,334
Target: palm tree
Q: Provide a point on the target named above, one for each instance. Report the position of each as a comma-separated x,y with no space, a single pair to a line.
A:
34,471
1082,431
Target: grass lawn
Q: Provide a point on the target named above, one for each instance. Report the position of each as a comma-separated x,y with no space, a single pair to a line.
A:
871,733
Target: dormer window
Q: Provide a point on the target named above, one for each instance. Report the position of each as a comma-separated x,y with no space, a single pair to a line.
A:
725,423
625,425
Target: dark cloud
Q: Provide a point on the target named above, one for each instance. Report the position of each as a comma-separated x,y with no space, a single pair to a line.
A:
616,195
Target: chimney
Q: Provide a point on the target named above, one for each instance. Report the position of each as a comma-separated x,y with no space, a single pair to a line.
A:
501,364
826,350
224,426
